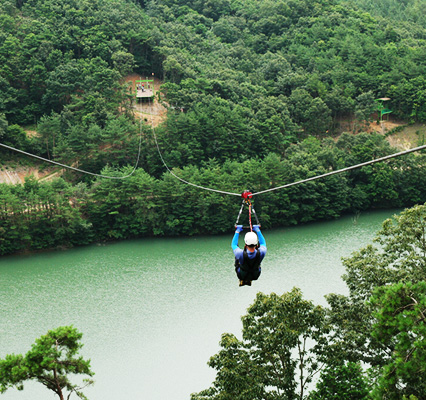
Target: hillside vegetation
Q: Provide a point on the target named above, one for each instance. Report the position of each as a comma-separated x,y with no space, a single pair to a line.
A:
255,91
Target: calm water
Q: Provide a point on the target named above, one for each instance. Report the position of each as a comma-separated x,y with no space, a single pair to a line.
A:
152,311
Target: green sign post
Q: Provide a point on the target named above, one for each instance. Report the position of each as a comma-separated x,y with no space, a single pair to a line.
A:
382,110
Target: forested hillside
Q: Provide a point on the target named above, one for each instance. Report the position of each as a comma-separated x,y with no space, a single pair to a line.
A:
255,91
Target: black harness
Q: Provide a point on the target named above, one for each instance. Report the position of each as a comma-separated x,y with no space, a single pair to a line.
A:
249,264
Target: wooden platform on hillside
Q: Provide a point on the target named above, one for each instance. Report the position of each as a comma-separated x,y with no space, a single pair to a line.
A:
141,93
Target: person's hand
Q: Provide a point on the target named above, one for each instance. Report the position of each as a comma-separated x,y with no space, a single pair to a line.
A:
239,228
256,228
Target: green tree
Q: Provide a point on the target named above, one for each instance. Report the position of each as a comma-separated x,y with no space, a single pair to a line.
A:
3,127
122,208
52,358
401,321
341,381
14,234
358,335
123,62
365,106
17,137
312,114
277,357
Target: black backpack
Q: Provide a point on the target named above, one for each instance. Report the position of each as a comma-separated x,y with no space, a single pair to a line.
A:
249,264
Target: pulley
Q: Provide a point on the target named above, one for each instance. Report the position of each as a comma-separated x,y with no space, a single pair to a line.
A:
247,195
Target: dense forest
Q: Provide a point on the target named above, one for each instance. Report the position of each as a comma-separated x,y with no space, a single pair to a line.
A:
255,93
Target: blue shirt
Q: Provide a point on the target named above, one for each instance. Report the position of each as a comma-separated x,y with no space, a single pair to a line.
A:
239,252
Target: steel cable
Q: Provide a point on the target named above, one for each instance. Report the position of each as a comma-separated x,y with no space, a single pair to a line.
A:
343,169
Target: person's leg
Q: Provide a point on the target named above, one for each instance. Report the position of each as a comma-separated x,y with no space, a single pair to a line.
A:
254,275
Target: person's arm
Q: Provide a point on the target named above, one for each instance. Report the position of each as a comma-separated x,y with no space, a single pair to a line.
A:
262,241
234,243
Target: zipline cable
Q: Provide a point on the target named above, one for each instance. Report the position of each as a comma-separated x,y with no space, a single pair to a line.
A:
178,177
82,170
343,169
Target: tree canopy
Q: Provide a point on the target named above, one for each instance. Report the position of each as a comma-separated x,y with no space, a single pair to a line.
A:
274,359
39,215
381,321
52,358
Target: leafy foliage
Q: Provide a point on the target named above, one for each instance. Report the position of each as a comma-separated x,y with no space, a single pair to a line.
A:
38,216
385,330
250,88
400,320
274,350
346,379
51,359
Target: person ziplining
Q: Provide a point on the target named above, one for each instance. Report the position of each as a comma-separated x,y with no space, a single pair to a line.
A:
247,261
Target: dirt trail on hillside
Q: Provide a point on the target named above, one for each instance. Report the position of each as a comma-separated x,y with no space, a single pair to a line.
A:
18,175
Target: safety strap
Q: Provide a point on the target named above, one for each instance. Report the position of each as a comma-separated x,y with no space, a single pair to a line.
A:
239,214
255,216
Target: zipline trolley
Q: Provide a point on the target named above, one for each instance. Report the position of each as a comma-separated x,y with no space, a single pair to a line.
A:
247,196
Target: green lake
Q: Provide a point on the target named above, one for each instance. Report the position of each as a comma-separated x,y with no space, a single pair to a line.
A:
152,311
